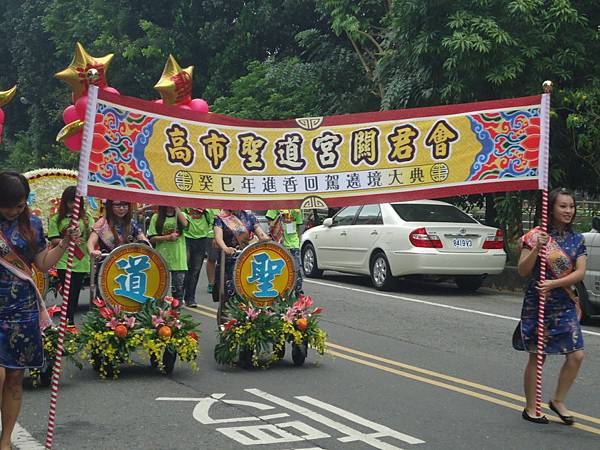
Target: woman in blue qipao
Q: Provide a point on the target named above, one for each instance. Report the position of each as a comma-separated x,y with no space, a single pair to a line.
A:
22,314
566,261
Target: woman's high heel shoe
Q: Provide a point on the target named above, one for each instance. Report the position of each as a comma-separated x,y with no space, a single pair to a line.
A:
542,419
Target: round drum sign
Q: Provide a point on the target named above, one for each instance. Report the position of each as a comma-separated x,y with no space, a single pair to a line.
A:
264,272
132,275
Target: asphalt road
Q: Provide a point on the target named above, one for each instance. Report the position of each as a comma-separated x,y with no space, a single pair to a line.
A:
423,367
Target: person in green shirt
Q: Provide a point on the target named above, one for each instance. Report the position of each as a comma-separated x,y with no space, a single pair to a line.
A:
284,227
166,233
197,242
81,261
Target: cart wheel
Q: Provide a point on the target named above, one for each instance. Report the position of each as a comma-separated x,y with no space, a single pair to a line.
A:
299,353
46,373
169,358
280,354
153,361
245,358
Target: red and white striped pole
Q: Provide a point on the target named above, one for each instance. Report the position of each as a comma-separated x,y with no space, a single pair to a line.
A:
543,174
81,191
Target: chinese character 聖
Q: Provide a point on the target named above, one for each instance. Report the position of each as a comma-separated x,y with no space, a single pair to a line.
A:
250,150
264,271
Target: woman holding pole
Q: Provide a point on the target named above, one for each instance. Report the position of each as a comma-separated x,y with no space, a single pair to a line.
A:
22,312
566,261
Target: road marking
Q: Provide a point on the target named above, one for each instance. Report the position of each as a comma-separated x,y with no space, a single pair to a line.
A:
425,302
431,373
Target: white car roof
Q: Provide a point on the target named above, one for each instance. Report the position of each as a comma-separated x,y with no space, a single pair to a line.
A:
422,202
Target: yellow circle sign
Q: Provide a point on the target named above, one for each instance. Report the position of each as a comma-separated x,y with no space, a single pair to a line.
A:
264,272
132,275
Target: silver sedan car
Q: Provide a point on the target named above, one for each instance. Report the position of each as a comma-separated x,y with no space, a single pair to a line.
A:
391,240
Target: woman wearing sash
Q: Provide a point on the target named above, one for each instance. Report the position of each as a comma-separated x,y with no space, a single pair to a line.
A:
116,228
22,313
234,230
566,261
81,261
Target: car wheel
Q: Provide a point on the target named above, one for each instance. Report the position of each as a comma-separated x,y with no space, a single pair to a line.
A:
309,262
469,283
584,302
381,276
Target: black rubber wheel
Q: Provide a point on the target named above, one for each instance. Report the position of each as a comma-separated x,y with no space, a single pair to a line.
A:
153,361
469,283
584,301
299,353
381,275
309,262
169,358
46,373
245,359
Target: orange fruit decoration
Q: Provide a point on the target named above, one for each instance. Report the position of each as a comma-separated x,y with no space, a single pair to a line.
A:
121,331
164,332
302,323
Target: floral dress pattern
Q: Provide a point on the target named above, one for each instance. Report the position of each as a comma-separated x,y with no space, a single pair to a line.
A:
20,335
562,330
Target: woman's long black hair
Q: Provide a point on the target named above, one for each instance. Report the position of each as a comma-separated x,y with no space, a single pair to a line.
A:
160,220
15,189
112,220
68,195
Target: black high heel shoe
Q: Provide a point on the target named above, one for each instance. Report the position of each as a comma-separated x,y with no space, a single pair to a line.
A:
567,420
543,419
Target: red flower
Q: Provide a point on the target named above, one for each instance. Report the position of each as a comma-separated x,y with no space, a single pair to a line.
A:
99,302
229,324
106,312
173,313
175,303
318,310
193,335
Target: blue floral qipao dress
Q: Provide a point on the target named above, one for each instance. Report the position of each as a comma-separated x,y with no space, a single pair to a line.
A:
20,335
561,323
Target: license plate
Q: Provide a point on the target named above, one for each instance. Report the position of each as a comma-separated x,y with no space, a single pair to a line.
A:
462,243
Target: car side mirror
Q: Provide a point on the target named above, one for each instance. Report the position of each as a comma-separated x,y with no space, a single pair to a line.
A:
596,223
328,222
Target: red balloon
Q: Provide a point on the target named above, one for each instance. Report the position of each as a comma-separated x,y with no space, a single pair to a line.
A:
74,142
112,90
1,116
80,105
199,105
70,114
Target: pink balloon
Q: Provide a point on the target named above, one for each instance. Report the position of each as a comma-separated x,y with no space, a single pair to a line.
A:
81,105
112,90
159,101
70,114
1,116
74,142
185,107
199,105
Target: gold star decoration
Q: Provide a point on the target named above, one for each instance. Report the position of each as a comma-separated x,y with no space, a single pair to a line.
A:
7,96
85,70
175,84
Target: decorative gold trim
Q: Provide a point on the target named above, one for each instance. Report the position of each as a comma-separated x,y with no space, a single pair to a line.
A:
309,123
313,202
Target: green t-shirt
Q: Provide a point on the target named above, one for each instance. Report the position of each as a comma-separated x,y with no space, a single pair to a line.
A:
291,219
174,252
201,222
81,261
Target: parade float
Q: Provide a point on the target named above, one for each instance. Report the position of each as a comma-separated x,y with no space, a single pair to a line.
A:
266,311
134,315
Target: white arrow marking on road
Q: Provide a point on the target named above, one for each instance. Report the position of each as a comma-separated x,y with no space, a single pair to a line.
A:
425,302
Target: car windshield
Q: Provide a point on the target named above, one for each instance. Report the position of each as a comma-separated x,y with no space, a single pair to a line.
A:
422,212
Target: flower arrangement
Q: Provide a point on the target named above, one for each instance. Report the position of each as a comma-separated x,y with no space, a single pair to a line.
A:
253,332
50,344
110,336
166,329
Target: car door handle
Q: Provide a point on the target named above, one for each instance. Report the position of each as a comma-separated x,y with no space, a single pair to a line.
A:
343,233
374,233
